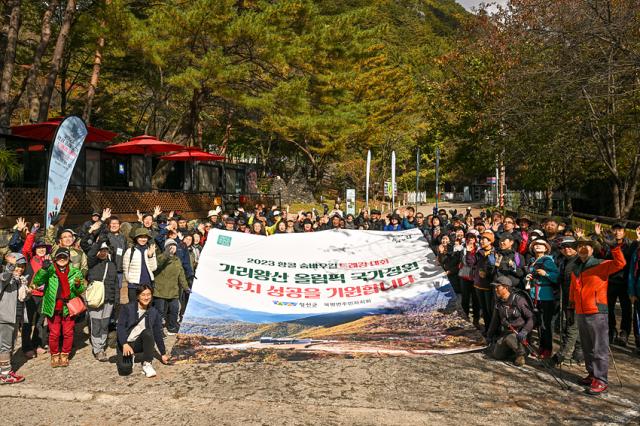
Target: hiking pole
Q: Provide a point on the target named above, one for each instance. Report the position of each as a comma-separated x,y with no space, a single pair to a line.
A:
563,385
615,366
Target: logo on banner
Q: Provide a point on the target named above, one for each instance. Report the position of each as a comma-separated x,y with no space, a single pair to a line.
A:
224,240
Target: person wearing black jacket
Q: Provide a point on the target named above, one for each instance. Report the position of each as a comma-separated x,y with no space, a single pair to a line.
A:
103,269
139,330
511,322
510,263
450,257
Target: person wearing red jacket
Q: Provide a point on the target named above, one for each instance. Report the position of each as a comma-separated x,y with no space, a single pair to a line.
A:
588,303
34,330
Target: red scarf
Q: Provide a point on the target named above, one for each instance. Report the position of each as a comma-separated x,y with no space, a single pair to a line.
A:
64,290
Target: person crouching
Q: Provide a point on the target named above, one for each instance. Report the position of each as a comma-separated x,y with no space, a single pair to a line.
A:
511,322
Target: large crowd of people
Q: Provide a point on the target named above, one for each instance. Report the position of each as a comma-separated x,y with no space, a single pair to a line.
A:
513,277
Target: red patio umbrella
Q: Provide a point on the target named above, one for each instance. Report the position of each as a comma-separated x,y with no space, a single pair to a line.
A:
144,145
192,154
45,131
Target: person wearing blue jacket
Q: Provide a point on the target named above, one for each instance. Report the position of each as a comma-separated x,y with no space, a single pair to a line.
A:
542,283
394,223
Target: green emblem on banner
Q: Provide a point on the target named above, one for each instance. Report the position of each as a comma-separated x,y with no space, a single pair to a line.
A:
224,240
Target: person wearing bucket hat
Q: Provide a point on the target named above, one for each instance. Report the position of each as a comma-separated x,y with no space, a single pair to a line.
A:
511,322
62,282
102,268
542,284
588,302
139,261
394,223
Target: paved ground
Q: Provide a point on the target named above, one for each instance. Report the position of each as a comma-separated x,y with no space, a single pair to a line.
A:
453,389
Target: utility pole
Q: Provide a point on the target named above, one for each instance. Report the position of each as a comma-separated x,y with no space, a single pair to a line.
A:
437,176
417,176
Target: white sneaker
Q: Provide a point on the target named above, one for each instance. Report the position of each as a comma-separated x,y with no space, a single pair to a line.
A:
148,370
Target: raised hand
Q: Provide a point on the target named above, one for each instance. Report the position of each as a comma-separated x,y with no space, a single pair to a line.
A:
579,232
151,251
139,216
171,213
597,228
35,227
106,214
21,223
156,211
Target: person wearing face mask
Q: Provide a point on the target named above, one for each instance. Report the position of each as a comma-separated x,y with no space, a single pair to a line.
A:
588,303
169,279
62,282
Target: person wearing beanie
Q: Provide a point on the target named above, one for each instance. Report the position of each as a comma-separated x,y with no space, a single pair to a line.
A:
169,279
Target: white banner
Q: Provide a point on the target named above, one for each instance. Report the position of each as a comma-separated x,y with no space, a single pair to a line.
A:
64,153
250,278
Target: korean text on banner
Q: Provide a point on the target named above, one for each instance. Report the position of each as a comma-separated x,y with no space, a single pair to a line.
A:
64,153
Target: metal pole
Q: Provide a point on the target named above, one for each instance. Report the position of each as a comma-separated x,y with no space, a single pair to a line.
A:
367,178
417,175
393,181
437,175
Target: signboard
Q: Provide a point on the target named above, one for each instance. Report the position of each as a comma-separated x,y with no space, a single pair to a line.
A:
310,286
492,180
350,199
387,188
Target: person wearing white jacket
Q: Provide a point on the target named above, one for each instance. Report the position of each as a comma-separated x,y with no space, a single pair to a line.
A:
139,262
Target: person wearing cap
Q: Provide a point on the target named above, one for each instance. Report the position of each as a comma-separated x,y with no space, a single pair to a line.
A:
618,283
484,271
570,347
13,293
230,224
542,284
66,239
35,336
242,226
169,280
376,223
102,268
511,322
509,263
139,262
588,303
62,282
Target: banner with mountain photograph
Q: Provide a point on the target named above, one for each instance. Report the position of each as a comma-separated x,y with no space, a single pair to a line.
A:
338,291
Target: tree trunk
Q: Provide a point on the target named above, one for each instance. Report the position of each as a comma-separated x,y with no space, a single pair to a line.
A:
29,82
549,201
95,74
56,60
9,63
